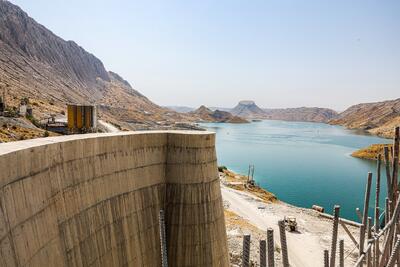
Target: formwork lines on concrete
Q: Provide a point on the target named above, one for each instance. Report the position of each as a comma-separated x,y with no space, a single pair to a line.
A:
72,161
83,210
93,201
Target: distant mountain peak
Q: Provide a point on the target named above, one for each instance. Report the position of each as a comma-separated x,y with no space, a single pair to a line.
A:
203,108
247,109
247,102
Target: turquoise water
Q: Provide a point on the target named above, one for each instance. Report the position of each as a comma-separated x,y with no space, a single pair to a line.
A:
302,163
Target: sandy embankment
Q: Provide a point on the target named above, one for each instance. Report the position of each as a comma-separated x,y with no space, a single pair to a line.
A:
305,246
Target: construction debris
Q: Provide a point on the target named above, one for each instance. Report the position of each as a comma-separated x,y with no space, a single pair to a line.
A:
318,208
290,223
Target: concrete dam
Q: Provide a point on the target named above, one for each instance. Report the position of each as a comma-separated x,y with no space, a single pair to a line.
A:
94,200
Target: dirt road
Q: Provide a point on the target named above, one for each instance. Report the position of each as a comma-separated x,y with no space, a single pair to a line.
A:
305,246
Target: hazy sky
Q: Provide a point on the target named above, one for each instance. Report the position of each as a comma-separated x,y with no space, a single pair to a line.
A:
279,53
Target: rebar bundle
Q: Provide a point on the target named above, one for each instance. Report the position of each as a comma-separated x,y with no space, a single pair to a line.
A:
372,236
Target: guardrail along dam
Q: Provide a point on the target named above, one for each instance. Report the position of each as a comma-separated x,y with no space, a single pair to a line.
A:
95,200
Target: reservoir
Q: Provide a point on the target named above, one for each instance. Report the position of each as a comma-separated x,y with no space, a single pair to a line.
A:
302,163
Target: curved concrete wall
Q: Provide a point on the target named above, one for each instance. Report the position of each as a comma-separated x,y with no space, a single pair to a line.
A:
94,200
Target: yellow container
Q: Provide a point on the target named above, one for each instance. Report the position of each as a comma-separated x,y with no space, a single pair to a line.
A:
81,118
71,110
88,117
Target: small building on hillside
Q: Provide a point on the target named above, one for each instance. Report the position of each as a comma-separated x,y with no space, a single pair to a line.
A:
22,110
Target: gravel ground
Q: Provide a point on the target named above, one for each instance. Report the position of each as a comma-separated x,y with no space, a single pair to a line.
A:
236,227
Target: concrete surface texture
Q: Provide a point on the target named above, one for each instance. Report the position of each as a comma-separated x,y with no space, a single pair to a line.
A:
94,200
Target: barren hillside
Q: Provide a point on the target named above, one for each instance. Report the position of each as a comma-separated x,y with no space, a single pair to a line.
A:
310,114
378,118
36,63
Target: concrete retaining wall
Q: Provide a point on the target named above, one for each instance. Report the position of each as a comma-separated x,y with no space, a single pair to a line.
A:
93,200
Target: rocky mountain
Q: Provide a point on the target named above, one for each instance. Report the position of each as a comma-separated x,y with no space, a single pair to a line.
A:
51,72
248,109
301,114
379,118
207,115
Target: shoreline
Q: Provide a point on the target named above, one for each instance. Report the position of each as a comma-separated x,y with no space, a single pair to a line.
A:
371,152
305,246
356,131
270,197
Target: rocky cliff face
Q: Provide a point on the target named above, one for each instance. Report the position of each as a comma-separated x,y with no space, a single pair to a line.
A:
301,114
378,118
22,34
36,63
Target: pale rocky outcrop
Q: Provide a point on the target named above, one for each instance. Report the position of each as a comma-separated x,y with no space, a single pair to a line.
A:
94,199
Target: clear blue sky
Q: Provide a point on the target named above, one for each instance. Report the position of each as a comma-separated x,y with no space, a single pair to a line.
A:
279,53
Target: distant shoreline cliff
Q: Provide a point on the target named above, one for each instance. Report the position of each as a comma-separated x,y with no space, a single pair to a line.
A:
378,118
249,110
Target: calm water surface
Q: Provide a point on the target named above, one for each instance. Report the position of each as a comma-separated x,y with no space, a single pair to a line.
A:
302,163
